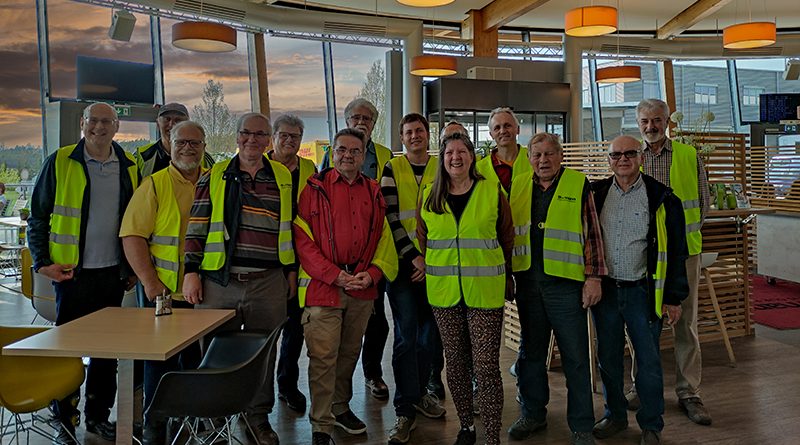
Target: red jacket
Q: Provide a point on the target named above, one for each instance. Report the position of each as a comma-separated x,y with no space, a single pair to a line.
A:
316,254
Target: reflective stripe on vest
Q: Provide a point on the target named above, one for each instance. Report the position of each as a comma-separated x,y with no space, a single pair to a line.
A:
563,230
409,192
519,198
464,259
65,223
661,262
165,241
214,252
684,182
145,166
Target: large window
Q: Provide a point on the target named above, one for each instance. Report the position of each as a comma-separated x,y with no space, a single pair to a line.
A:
750,95
705,94
761,76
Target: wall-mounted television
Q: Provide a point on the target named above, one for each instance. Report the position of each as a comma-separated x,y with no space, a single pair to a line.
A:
115,80
777,107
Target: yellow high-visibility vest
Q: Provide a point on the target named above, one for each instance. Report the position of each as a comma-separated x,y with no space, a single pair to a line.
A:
65,223
684,182
165,240
563,230
214,253
409,192
465,259
660,276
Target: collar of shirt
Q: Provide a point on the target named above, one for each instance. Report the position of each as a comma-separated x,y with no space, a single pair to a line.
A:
87,157
497,161
370,146
178,176
265,167
635,186
162,151
667,146
336,176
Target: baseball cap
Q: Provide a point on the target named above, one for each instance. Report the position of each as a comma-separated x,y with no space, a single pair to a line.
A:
173,107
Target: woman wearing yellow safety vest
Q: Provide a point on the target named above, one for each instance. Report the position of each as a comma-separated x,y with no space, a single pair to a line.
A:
466,235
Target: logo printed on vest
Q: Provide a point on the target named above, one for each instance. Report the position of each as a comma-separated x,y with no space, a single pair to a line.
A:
570,199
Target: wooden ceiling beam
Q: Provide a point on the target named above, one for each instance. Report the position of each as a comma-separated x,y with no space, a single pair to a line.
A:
689,17
500,12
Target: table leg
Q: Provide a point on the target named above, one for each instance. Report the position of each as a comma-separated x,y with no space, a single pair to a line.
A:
125,402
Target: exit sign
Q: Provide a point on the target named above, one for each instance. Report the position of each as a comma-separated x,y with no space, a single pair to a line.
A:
123,110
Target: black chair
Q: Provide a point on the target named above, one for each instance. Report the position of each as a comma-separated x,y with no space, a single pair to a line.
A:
223,387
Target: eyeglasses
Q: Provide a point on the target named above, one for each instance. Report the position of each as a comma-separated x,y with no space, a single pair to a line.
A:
630,154
194,143
354,152
360,118
95,121
258,134
289,136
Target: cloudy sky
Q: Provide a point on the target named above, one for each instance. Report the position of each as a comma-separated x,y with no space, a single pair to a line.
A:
294,67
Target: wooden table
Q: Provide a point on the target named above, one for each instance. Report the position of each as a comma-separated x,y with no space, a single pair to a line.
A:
126,334
13,221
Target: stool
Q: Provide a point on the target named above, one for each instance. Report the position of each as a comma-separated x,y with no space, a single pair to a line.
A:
706,260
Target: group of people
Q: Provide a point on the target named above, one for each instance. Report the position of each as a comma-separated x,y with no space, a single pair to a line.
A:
448,239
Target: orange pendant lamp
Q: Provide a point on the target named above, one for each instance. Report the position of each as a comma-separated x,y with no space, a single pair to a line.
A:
204,37
618,74
433,65
749,35
425,3
590,21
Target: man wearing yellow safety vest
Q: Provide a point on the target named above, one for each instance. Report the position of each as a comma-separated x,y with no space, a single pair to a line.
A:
362,115
155,156
558,281
345,248
76,209
679,167
645,250
415,332
239,240
285,144
153,232
508,160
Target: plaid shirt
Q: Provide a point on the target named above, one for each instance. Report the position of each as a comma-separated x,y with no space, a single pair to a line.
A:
657,166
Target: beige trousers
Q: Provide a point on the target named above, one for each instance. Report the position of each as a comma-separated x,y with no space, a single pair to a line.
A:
688,361
333,338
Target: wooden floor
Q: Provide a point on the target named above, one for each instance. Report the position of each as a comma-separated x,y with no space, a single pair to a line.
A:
756,403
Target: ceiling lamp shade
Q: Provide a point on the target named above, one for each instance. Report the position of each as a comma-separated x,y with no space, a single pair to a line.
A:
204,37
749,35
590,21
425,3
433,65
618,74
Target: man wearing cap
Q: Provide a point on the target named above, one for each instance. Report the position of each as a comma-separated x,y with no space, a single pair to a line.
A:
154,157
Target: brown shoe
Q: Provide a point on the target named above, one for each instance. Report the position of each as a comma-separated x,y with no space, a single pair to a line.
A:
608,427
264,434
695,411
650,437
377,387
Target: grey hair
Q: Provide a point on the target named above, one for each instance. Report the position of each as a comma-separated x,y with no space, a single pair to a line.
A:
549,138
247,116
652,104
180,125
361,102
464,132
88,110
347,131
499,110
289,120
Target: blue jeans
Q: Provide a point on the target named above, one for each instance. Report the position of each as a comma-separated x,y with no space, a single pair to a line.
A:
553,304
292,340
414,347
631,307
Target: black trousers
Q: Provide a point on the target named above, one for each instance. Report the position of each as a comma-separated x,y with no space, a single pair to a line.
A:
375,337
89,291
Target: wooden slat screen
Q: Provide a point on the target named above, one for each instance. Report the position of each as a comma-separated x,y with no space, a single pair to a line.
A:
774,177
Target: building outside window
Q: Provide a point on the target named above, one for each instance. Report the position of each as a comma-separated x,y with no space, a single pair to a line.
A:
750,95
705,94
651,89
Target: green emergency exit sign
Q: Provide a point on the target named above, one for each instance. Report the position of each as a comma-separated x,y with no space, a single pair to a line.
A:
123,110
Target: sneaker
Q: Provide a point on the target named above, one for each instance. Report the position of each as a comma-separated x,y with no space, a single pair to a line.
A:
350,423
401,431
466,436
377,387
429,406
294,399
64,435
650,437
581,438
320,438
524,427
695,411
103,428
633,399
607,427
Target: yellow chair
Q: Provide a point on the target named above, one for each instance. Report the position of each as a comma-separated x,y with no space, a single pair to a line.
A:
30,384
38,288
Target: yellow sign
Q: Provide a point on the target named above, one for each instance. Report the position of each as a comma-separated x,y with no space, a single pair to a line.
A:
313,150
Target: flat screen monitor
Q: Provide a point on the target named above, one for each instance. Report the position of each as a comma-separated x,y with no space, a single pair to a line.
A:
115,80
777,107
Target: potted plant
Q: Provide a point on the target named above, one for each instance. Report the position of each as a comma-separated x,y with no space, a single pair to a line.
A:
24,214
